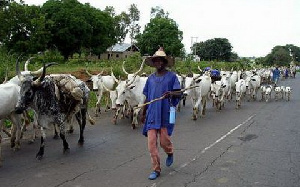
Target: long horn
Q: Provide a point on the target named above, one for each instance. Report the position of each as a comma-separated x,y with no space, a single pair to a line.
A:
20,76
39,71
87,72
195,78
6,75
199,69
114,77
26,64
130,82
124,68
141,67
38,81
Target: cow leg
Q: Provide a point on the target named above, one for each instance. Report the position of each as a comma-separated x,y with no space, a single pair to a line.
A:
114,120
40,154
98,104
1,126
135,118
62,135
55,132
16,131
203,107
81,119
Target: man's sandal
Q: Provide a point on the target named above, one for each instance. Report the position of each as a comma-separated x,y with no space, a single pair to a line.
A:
153,175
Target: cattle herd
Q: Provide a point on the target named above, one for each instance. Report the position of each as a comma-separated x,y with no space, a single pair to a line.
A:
57,98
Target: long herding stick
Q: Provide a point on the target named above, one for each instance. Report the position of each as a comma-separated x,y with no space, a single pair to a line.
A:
163,97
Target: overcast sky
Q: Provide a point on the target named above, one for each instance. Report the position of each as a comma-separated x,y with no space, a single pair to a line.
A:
253,27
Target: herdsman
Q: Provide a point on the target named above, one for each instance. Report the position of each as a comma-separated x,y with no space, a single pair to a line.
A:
155,116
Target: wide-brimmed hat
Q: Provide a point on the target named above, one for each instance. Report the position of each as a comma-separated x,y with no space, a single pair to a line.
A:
160,53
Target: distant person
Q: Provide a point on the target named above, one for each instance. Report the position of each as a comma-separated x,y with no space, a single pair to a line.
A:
276,75
155,116
215,75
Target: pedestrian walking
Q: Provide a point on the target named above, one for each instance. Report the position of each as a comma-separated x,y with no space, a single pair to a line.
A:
156,115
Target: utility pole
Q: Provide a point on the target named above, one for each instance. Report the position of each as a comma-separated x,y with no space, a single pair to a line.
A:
194,39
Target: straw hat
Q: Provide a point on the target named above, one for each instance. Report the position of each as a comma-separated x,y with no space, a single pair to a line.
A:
160,53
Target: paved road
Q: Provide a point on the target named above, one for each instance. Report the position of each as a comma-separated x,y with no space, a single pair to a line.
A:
258,145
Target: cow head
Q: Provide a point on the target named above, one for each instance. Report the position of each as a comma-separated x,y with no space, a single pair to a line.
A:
29,85
95,79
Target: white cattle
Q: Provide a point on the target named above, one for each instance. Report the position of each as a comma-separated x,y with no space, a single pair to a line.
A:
199,94
252,84
268,93
8,100
282,90
100,83
218,94
181,79
240,91
131,92
277,91
288,91
225,81
233,79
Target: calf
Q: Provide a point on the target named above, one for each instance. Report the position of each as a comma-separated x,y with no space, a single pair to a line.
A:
277,91
288,91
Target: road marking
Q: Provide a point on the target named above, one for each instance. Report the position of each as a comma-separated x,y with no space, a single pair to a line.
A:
207,148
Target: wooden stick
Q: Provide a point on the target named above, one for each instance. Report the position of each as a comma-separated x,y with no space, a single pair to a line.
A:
163,97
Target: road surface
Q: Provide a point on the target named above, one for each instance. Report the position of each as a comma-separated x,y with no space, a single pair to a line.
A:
257,145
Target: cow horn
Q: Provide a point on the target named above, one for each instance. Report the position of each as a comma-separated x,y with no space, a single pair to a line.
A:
114,77
87,72
26,64
39,71
131,81
20,76
141,67
123,68
38,81
199,69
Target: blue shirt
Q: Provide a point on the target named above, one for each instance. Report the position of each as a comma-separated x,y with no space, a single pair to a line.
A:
158,112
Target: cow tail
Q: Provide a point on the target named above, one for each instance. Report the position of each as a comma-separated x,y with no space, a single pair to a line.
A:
91,120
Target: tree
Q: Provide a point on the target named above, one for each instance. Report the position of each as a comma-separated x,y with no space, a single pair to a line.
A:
134,27
161,31
23,28
121,23
77,26
214,49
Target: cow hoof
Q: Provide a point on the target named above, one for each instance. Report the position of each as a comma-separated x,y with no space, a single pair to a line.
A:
114,121
39,155
30,141
66,151
55,137
133,126
12,144
194,118
80,142
70,131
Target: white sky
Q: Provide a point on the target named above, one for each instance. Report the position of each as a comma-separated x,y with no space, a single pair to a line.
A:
253,27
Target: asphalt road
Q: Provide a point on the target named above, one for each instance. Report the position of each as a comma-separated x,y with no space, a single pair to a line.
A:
257,145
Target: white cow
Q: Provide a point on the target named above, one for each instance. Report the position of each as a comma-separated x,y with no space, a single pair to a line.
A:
8,100
240,91
288,91
199,94
268,93
252,84
218,94
277,91
100,83
131,91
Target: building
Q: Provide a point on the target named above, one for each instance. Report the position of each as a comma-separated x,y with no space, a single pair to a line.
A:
119,51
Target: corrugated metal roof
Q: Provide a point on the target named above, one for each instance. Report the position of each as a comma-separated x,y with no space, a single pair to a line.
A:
119,47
